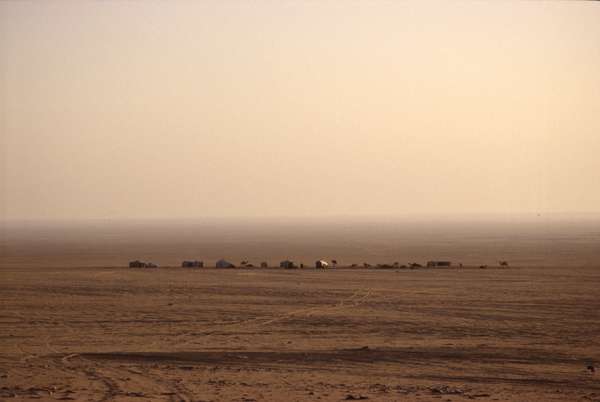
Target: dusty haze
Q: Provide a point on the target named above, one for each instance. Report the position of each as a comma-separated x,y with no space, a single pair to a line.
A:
524,242
174,110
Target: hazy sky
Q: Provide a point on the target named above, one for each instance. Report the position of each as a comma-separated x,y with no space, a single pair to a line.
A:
266,108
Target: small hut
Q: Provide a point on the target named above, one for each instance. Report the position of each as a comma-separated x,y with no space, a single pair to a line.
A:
264,264
224,264
192,264
321,264
287,264
433,264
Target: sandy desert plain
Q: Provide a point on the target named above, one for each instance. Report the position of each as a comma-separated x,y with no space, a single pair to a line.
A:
70,331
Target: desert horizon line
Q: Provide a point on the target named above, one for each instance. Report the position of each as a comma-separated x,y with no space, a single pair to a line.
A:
329,218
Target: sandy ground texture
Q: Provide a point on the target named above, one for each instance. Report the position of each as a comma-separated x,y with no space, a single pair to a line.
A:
174,334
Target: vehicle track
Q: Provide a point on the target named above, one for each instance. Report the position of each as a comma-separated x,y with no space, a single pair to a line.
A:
357,298
128,381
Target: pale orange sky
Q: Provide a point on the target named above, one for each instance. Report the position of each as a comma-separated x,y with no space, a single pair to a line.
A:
196,109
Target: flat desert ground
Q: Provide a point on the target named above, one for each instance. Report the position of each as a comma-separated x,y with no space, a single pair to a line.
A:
173,334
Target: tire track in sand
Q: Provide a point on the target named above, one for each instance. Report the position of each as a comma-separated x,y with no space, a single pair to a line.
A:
134,381
357,298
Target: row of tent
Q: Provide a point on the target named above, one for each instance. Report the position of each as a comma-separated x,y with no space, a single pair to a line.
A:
288,264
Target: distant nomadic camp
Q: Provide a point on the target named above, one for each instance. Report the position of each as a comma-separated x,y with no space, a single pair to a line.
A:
319,264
